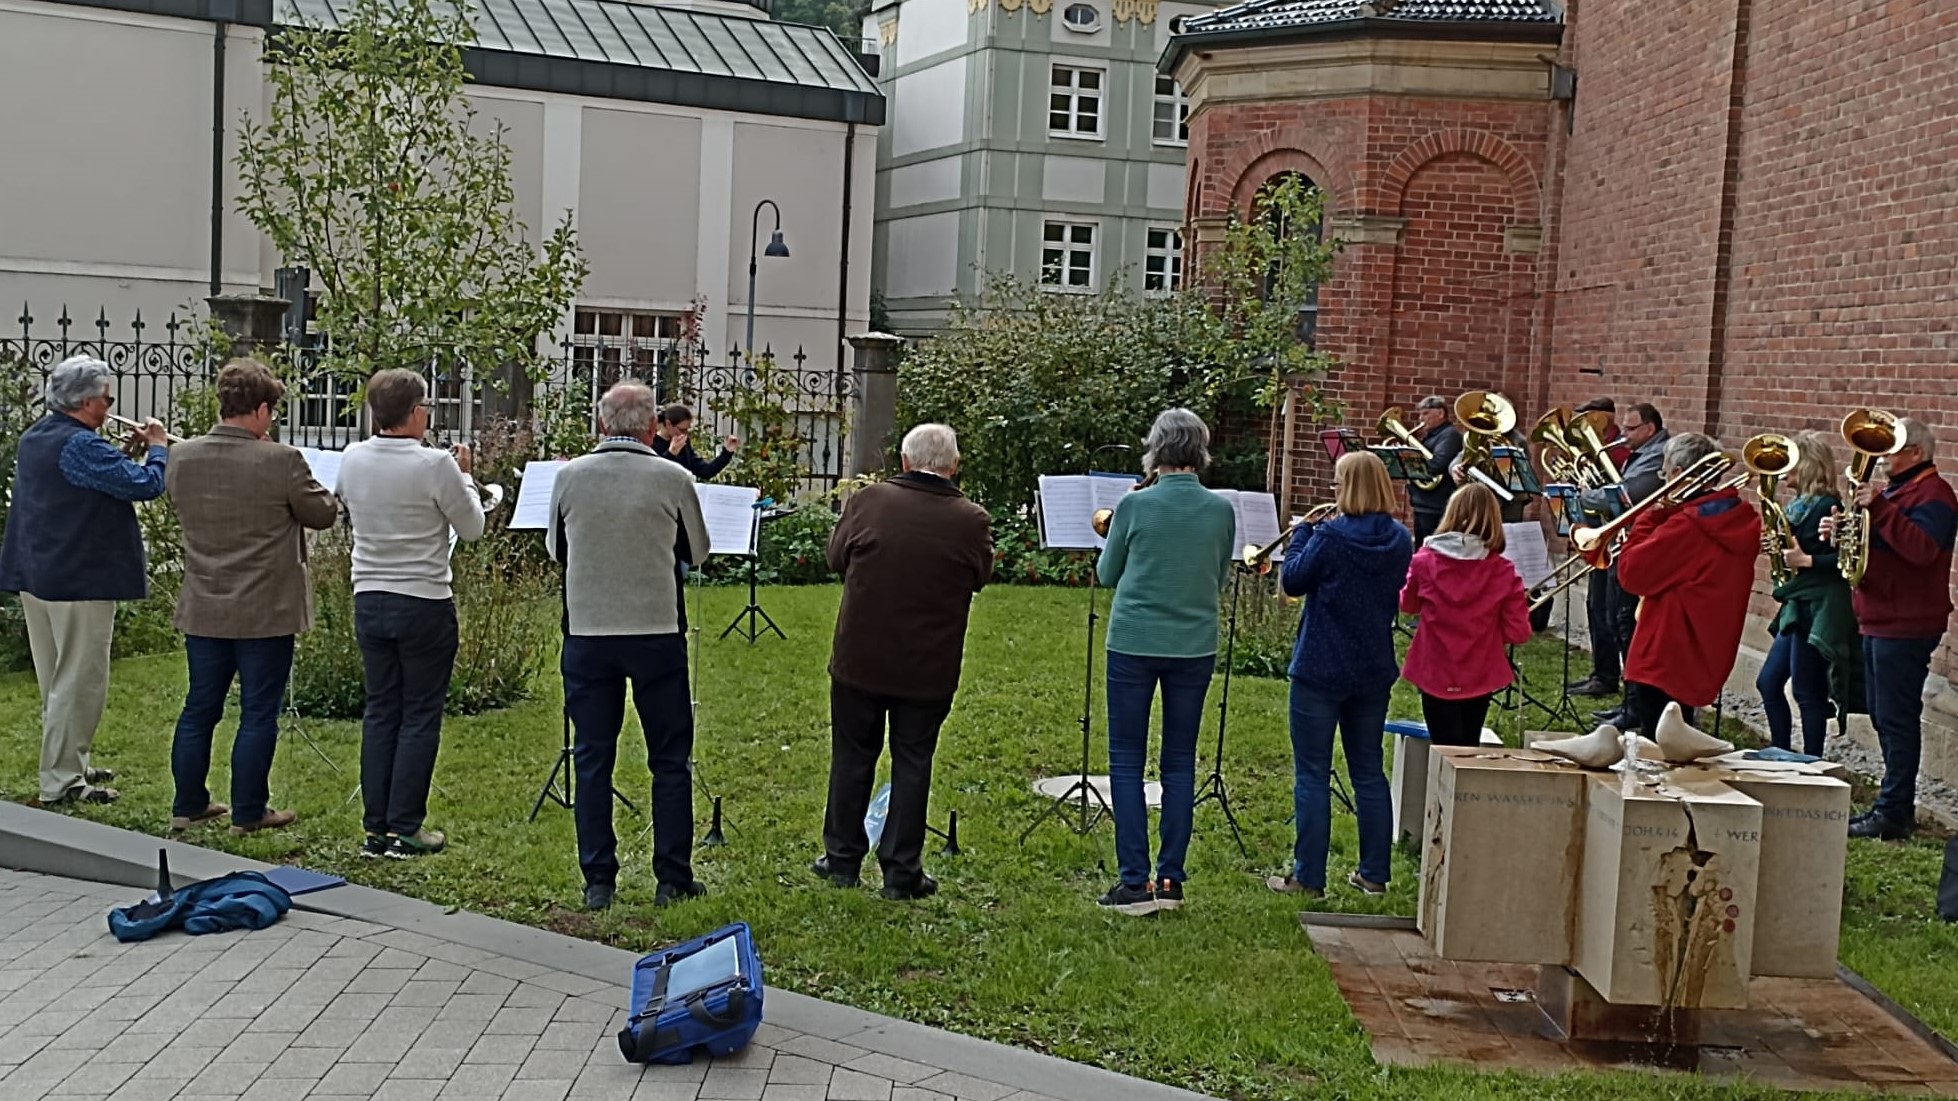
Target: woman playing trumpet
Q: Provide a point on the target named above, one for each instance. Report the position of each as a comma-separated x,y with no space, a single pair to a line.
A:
1349,568
1168,553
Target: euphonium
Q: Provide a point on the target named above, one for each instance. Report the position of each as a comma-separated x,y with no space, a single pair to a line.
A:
1487,418
1105,516
1872,435
1257,559
1560,456
1391,426
1771,456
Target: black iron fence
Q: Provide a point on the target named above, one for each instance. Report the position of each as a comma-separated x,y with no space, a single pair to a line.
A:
160,368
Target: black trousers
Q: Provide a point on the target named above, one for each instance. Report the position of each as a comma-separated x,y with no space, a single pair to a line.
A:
1650,702
407,654
1455,722
857,722
596,671
1425,524
1601,615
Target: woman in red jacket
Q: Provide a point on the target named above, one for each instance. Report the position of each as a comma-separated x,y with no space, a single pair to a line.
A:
1471,603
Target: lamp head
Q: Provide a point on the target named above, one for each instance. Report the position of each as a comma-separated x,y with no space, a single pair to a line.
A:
775,245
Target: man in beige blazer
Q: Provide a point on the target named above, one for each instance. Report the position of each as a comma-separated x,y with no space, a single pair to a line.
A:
243,501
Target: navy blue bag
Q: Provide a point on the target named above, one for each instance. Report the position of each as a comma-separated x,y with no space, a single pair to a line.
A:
701,995
241,900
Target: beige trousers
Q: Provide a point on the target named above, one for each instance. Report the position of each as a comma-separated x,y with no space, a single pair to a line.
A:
70,640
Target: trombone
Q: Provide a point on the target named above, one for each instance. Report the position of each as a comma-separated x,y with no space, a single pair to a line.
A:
1592,549
135,448
1257,559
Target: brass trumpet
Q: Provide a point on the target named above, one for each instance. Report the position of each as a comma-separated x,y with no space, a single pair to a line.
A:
135,449
1257,559
1105,516
1594,549
1771,456
1872,434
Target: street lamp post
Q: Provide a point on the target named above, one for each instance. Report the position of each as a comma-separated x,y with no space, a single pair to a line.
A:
775,248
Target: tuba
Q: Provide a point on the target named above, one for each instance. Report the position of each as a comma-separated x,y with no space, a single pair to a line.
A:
1391,426
1487,418
1105,516
1770,457
1872,435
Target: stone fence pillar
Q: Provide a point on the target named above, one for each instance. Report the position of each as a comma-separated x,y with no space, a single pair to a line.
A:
873,404
254,322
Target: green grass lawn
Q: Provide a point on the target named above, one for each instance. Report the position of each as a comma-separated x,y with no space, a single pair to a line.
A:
1226,997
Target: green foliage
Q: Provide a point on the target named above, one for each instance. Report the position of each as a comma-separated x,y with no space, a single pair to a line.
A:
1034,381
1018,558
845,17
372,169
20,407
774,451
1267,626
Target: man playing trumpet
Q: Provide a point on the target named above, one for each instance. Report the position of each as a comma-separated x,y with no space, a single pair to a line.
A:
72,549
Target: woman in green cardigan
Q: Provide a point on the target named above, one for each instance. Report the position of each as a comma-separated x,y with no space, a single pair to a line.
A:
1815,639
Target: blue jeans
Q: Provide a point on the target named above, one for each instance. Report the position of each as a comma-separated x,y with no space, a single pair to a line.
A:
1132,685
1893,677
596,671
1362,721
261,666
1793,658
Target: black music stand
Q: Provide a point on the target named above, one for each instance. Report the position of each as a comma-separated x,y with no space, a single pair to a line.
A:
752,629
1213,786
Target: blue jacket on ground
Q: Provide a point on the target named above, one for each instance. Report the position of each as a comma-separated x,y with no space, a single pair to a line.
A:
1349,570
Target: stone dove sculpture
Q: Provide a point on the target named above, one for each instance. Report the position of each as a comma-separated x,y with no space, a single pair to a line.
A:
1601,748
1680,743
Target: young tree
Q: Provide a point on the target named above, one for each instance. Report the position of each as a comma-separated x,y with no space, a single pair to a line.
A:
372,169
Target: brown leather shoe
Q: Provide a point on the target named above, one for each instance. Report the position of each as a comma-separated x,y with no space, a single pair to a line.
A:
273,820
179,823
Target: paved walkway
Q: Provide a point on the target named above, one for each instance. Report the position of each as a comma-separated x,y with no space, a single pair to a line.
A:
320,1007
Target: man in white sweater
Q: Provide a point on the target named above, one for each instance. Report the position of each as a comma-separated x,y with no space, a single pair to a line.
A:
623,522
403,499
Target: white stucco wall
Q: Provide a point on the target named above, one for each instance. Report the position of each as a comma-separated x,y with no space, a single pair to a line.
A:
927,108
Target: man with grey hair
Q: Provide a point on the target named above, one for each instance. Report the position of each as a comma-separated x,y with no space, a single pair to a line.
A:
623,524
1901,609
1444,443
72,548
912,552
1692,562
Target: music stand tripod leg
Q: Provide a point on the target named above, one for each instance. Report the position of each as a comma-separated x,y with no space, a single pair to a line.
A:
1081,786
1213,785
563,767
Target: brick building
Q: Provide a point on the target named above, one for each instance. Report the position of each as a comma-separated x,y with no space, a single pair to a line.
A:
1741,212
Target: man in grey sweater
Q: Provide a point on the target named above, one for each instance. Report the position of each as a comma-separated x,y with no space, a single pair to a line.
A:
623,523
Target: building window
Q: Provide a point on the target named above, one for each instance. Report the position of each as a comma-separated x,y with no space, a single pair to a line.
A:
1081,17
1074,107
1172,113
1162,261
1067,255
624,343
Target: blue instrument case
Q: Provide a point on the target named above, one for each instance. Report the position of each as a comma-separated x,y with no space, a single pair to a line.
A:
703,995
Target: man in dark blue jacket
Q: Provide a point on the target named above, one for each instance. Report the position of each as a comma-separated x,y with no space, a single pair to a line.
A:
72,549
670,442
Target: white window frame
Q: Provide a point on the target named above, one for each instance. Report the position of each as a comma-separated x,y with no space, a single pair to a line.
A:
1171,269
1073,93
1179,106
1080,28
1068,223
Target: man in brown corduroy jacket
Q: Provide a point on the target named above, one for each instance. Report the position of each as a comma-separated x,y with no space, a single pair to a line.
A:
912,552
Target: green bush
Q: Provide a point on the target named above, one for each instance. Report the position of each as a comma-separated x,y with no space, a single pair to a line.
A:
1019,559
1267,626
20,407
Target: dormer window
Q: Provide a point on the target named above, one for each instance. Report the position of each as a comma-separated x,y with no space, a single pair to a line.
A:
1085,18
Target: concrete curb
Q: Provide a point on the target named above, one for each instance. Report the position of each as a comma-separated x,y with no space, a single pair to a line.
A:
42,841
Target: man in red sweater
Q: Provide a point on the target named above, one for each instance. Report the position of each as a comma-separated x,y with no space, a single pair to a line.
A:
1902,606
1693,566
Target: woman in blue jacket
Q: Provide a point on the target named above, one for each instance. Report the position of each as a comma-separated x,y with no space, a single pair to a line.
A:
1349,569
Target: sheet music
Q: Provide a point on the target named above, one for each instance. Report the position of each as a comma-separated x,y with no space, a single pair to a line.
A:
1257,518
1523,545
732,519
533,508
1068,503
325,466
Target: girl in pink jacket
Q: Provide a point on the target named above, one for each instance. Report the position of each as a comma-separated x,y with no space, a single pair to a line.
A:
1471,603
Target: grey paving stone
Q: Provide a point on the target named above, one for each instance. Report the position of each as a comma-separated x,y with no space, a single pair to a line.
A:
524,1021
429,1062
185,1062
97,1078
395,957
279,1089
266,977
752,1057
587,1009
249,1005
16,1048
52,1022
850,1085
379,1045
362,1006
441,971
333,1032
912,1093
650,1090
256,1047
606,1082
796,1070
684,1072
51,1064
776,1091
380,980
903,1072
209,1032
967,1088
1023,1095
531,996
149,1089
482,982
408,1089
471,1007
555,1064
501,1049
425,994
304,1062
226,1078
727,1084
568,984
473,1081
570,1035
536,1089
133,1047
821,1050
